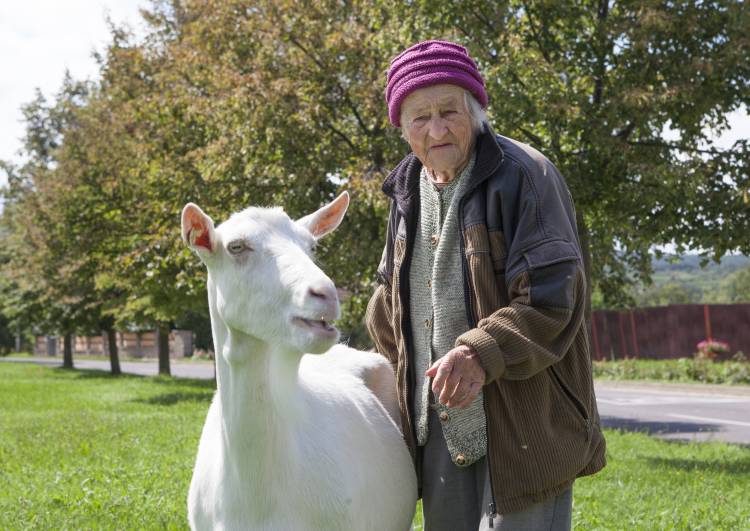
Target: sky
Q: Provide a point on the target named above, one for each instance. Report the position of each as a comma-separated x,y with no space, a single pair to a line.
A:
40,39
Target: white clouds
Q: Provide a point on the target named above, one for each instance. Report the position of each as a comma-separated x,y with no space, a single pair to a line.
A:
39,39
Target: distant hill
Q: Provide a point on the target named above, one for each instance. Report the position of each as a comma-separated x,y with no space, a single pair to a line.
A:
691,263
682,279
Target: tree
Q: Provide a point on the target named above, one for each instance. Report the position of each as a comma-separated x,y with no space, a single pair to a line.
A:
48,262
235,103
670,293
737,286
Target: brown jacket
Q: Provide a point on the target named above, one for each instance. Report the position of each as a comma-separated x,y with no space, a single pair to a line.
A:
525,294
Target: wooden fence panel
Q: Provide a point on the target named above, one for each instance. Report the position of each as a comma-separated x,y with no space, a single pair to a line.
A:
668,331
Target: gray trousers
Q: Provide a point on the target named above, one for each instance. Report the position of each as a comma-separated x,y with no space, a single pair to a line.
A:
457,498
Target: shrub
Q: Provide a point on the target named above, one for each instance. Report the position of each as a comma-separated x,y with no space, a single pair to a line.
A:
698,369
710,348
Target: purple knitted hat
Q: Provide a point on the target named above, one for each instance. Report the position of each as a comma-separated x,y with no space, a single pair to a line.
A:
431,63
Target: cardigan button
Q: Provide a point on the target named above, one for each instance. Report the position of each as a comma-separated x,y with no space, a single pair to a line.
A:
444,416
427,323
434,239
460,460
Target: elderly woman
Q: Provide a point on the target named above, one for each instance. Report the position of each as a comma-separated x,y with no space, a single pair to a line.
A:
480,308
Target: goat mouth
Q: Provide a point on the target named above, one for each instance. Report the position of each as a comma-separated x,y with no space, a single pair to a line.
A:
319,325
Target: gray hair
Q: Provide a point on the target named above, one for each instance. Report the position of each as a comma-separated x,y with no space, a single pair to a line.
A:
476,114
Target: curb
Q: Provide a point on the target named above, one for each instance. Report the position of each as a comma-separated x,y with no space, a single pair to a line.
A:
654,386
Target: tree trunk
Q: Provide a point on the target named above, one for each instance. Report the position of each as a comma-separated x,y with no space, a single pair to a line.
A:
162,332
114,355
18,338
585,241
68,351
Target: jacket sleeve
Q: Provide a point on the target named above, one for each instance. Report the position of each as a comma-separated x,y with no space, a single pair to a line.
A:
537,328
379,319
379,314
546,284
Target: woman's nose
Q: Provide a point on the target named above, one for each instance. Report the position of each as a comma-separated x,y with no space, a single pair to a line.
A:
437,127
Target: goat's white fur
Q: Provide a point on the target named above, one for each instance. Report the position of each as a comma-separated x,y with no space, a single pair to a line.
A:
292,441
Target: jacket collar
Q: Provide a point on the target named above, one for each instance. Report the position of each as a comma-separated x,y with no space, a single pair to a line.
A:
403,182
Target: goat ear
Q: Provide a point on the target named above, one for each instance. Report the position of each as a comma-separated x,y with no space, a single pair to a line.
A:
198,229
327,218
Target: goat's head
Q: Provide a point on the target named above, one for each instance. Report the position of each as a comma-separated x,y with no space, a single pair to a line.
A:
264,281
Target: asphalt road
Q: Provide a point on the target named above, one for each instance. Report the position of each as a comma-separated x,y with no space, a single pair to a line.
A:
671,411
691,412
184,369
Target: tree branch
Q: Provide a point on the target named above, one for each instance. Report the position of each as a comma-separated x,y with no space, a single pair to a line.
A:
484,20
534,138
342,136
668,145
535,34
625,132
601,16
344,94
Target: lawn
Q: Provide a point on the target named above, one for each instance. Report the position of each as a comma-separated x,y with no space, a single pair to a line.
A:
83,450
676,370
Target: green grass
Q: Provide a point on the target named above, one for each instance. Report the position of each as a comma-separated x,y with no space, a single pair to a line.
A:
84,450
679,370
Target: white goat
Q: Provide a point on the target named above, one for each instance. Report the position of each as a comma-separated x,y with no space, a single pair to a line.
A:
291,441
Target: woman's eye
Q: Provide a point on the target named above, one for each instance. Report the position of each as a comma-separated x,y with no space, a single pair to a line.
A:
422,118
237,247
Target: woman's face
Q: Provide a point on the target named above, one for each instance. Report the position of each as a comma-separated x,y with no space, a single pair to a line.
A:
437,124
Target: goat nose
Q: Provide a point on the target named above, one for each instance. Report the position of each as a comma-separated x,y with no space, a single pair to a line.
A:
323,291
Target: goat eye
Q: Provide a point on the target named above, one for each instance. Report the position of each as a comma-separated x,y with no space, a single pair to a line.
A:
236,247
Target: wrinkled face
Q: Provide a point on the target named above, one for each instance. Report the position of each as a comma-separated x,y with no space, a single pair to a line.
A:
262,278
437,124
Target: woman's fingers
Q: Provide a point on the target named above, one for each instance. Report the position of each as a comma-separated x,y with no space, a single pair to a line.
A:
471,395
458,377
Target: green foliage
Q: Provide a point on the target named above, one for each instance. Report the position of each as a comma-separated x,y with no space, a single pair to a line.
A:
7,339
234,103
693,280
681,370
671,293
85,450
737,286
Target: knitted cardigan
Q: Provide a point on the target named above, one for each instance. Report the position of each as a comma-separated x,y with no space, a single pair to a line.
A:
438,314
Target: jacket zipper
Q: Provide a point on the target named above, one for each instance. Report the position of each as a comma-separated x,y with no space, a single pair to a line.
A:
468,301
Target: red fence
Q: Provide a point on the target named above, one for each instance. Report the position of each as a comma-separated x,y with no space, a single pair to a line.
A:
668,331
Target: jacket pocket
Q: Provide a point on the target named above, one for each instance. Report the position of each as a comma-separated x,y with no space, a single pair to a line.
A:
549,252
571,399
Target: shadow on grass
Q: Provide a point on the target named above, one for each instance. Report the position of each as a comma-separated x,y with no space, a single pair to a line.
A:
170,399
95,374
734,466
657,427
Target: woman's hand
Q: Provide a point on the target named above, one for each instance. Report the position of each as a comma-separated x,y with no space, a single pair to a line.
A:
458,377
